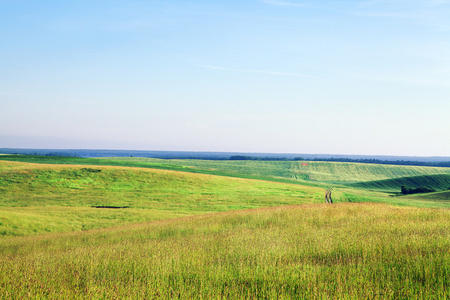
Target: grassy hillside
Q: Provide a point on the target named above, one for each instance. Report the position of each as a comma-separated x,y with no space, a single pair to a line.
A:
435,197
357,172
46,198
272,172
437,182
343,251
310,173
210,237
38,198
330,172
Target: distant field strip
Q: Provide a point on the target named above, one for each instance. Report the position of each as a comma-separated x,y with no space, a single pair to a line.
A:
437,182
438,196
337,172
354,172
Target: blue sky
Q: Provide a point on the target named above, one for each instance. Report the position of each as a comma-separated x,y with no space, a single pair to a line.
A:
294,76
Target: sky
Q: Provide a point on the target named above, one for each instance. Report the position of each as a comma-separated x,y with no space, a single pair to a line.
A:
278,76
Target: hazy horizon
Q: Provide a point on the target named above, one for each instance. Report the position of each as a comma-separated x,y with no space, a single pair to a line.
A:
96,152
367,77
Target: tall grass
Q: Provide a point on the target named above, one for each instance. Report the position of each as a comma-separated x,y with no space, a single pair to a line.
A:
343,251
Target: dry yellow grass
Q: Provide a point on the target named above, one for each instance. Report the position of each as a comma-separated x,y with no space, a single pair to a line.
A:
344,251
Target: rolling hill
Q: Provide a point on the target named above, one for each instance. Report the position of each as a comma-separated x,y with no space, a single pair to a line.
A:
137,230
327,172
39,198
435,197
436,182
303,172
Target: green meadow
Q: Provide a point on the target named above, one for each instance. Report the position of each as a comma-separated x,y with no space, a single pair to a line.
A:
138,228
301,171
55,198
305,172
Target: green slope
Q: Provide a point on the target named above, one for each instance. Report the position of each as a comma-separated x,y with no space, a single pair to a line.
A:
328,172
435,197
436,182
273,171
38,198
357,172
312,173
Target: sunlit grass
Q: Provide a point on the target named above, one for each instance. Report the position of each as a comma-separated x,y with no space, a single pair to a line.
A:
38,198
211,237
343,251
317,171
314,173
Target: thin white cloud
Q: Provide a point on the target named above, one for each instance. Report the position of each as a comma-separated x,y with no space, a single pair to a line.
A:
431,13
438,2
377,2
407,3
433,79
284,3
382,14
326,6
260,72
386,9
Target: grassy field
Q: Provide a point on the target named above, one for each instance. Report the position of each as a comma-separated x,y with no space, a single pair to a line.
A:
86,230
327,172
39,198
343,251
303,172
442,197
437,196
45,198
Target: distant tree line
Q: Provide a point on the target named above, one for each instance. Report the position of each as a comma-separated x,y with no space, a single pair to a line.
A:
209,156
59,154
244,157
